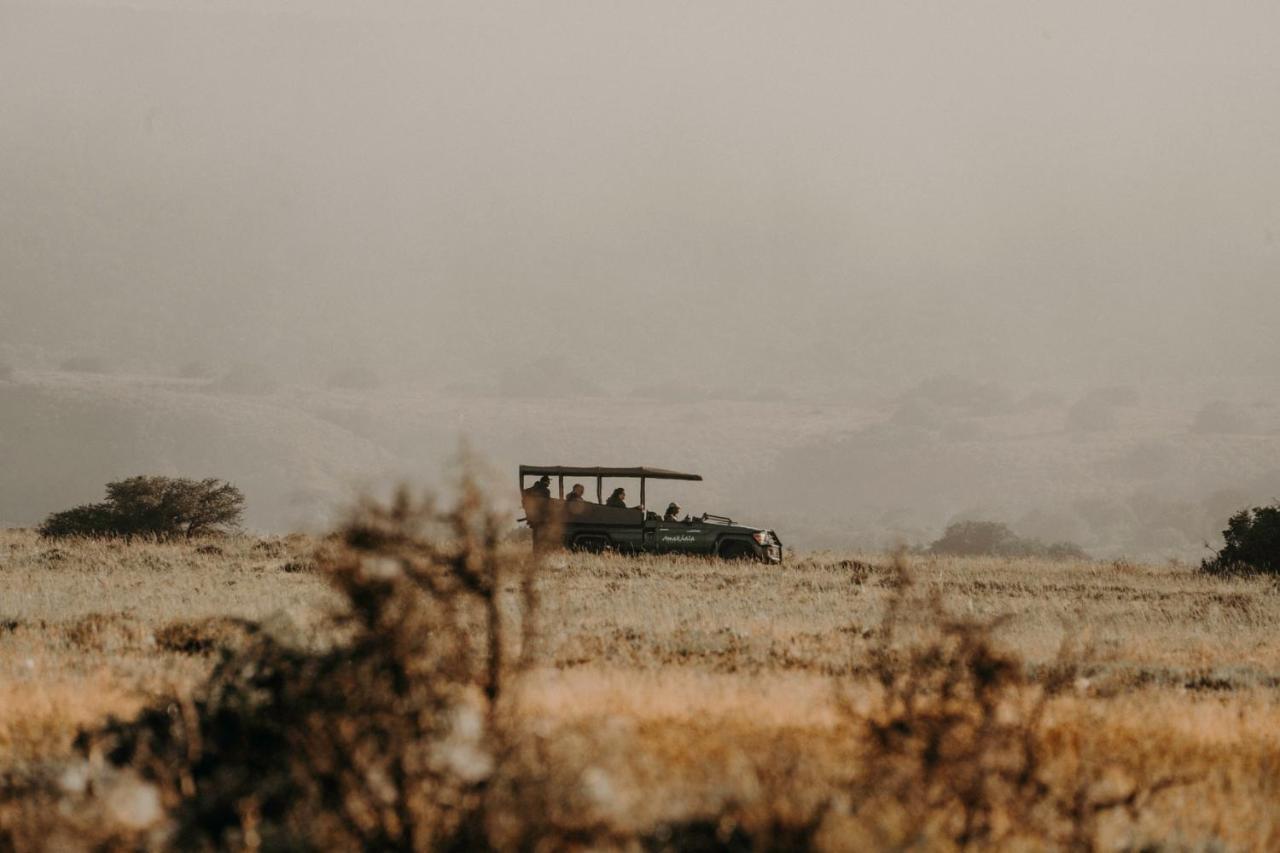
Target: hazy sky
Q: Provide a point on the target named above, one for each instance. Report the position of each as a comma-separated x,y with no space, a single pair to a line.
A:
824,193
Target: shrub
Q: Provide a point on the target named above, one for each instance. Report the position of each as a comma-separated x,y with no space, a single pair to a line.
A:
397,738
1252,543
995,539
85,520
205,636
951,743
958,751
156,507
973,539
1063,551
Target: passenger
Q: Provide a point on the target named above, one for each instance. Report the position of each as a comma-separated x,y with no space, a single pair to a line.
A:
618,498
576,493
673,512
540,489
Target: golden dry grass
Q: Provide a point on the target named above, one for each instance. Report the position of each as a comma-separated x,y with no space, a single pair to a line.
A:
673,690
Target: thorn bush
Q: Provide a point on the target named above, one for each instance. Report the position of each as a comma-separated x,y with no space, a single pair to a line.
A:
389,739
153,507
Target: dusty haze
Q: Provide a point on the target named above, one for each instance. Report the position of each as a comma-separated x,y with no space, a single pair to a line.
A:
870,267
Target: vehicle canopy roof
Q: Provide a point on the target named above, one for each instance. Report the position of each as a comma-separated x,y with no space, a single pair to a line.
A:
575,471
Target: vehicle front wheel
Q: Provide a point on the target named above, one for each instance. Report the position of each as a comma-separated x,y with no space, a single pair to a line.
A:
735,550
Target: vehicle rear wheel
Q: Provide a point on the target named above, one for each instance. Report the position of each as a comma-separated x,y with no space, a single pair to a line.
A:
735,550
591,544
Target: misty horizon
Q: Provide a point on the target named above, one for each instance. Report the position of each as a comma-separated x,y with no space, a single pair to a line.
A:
514,219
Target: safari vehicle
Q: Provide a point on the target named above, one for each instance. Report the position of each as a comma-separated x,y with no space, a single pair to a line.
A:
582,525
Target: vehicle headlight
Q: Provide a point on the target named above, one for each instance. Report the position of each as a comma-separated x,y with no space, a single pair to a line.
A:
762,537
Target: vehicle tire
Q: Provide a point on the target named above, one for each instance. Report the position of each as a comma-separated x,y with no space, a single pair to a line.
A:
591,544
735,550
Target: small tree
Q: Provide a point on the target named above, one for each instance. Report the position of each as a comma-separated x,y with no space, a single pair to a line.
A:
89,520
995,539
156,507
1252,543
973,539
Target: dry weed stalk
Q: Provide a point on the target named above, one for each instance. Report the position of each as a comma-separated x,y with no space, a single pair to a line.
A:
387,741
957,748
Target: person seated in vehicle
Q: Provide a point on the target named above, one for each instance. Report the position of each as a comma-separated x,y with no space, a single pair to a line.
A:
672,513
576,493
540,489
618,498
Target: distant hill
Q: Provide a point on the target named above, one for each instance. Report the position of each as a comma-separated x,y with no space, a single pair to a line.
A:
1142,476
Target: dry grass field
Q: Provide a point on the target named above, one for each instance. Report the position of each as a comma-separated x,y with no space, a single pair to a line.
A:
843,702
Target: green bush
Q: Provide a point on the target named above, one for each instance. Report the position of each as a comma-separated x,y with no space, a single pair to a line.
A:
91,520
1251,543
153,507
995,539
973,538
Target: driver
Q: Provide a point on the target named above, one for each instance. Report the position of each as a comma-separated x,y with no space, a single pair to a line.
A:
540,489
